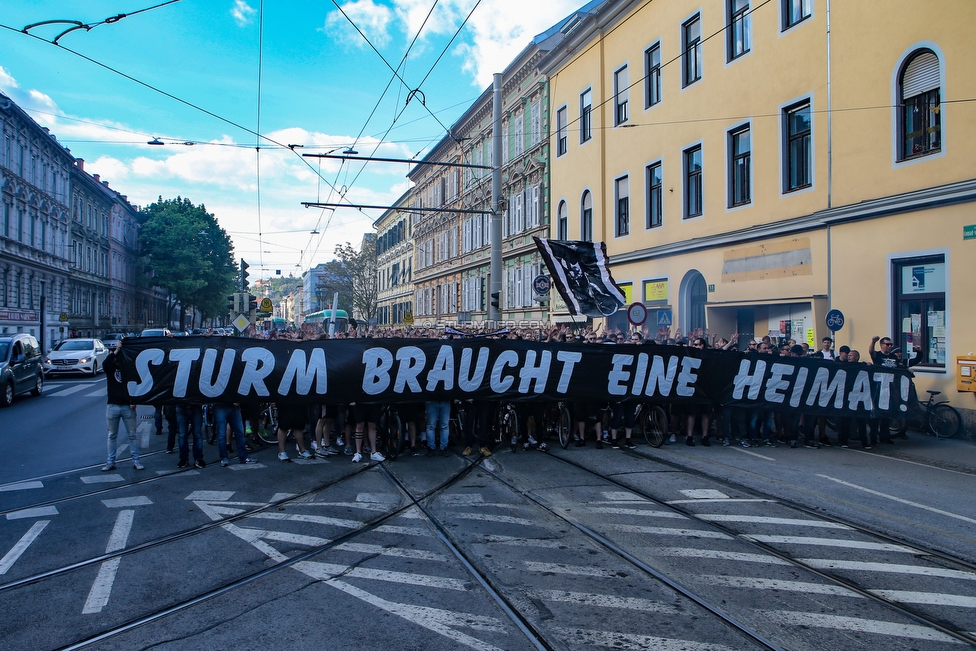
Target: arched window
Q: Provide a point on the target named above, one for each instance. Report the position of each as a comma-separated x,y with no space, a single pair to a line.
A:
920,123
562,222
693,296
586,217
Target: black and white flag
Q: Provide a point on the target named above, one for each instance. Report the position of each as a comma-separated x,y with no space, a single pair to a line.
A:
580,273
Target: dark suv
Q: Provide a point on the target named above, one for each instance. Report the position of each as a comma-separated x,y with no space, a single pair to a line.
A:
20,367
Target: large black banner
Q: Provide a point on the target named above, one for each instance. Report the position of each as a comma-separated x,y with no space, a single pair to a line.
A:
211,369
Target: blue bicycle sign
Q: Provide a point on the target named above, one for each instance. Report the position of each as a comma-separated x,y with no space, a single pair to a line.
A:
835,320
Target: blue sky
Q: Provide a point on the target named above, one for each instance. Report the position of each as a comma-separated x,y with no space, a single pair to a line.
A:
320,81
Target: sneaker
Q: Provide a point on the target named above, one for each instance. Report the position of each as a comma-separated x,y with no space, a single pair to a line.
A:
199,463
249,460
414,451
348,450
248,430
331,450
224,463
306,455
322,452
690,442
170,451
769,443
744,443
845,446
811,445
615,445
445,452
824,443
377,457
705,441
467,451
108,466
430,452
183,463
542,447
283,456
673,439
629,444
356,458
792,444
726,442
138,465
485,451
341,441
599,444
315,447
580,443
866,447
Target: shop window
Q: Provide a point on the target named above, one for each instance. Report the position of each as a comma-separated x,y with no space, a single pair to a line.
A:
920,309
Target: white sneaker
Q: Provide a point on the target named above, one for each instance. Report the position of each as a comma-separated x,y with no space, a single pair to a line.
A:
315,447
283,456
306,455
376,456
356,458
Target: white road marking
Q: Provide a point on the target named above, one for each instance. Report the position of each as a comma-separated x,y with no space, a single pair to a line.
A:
917,570
182,473
121,502
608,601
526,542
100,393
927,598
303,517
639,512
704,494
490,517
217,511
665,531
753,454
327,571
764,520
433,619
577,570
101,590
716,554
101,479
857,625
277,497
776,584
378,498
461,500
622,496
615,640
209,496
25,541
246,466
900,500
391,551
22,486
365,506
37,512
830,542
721,499
403,531
146,432
413,513
67,392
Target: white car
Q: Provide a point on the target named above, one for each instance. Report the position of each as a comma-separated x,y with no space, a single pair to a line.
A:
76,356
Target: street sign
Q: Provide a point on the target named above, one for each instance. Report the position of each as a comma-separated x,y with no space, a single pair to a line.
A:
637,314
541,284
266,305
63,318
664,318
969,232
241,323
408,318
835,320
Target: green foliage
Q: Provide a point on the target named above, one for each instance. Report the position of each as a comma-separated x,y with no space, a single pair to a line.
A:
188,253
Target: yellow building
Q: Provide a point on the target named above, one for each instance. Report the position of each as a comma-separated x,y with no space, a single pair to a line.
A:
751,169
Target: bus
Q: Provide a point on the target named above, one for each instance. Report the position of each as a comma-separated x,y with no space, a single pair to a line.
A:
322,319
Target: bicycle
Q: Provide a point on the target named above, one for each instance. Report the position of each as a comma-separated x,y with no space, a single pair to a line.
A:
506,426
390,437
938,418
267,429
559,423
653,422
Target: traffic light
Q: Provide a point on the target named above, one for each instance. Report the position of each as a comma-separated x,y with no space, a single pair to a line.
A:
244,275
234,304
252,306
494,298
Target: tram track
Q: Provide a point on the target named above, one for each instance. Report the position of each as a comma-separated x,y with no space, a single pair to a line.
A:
944,627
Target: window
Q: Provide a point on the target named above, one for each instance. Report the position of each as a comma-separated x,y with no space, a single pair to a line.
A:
536,123
795,11
562,222
920,308
622,195
586,217
621,94
691,46
586,115
799,149
920,107
740,166
655,196
519,136
561,138
652,75
740,28
693,181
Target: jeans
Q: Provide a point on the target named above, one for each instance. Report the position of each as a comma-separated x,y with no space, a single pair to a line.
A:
225,415
113,414
193,414
438,411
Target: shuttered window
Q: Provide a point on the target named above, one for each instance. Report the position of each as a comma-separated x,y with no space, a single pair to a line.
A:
921,108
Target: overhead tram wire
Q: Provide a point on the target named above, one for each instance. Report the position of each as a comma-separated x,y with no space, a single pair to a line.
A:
257,144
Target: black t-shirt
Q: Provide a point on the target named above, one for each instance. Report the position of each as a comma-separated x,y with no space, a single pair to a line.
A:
117,395
884,359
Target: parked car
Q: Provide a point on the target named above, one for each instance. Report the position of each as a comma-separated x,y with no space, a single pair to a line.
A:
112,340
20,367
156,332
76,356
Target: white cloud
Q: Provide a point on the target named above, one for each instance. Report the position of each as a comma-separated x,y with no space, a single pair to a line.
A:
7,83
110,169
371,18
242,13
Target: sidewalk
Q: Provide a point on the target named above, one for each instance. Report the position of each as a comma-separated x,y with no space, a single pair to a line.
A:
957,454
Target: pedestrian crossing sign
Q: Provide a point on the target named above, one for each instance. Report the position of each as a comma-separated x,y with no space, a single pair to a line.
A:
664,318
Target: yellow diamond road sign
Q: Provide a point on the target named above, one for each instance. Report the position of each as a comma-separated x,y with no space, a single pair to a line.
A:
241,323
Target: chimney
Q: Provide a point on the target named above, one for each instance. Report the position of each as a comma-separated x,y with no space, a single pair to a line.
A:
80,162
96,177
105,183
46,130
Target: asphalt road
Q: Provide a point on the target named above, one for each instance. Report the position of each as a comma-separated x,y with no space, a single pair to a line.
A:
674,548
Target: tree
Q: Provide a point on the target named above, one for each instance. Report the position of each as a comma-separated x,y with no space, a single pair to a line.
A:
188,253
353,274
